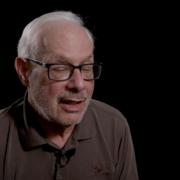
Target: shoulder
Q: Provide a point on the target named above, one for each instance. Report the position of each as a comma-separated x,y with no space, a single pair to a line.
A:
109,123
107,113
8,119
7,113
107,109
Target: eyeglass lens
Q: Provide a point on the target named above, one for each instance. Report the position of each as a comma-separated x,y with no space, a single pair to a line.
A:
62,72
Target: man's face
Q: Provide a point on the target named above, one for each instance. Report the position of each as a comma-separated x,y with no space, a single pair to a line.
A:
63,102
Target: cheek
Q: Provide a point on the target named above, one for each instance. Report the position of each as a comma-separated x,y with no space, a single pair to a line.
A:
54,89
89,88
38,79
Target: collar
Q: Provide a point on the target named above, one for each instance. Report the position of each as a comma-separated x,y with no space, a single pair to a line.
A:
31,137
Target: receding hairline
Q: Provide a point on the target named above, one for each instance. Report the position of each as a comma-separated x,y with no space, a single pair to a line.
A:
50,30
30,36
42,29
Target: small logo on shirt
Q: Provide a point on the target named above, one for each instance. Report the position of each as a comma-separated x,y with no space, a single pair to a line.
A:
98,167
99,171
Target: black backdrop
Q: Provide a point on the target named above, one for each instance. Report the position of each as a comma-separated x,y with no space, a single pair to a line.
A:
128,36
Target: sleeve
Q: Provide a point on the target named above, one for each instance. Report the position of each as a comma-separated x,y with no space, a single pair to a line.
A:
126,168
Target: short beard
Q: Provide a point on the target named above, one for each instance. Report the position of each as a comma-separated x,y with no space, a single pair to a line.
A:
44,109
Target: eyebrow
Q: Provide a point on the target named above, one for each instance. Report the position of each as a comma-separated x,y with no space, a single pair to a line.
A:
63,59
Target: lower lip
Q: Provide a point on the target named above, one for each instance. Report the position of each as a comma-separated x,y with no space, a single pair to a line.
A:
72,107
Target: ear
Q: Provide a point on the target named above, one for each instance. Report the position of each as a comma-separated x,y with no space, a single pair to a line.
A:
21,69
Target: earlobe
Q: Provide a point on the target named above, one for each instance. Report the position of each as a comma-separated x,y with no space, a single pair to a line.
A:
21,69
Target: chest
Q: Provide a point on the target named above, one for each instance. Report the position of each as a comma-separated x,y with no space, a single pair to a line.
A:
86,161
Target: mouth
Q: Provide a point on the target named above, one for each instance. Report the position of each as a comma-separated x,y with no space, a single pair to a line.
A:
72,102
71,105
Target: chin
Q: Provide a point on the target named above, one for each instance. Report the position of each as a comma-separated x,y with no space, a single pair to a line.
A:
69,118
67,122
66,119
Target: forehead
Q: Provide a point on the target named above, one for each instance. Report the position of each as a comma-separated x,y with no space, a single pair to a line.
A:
67,40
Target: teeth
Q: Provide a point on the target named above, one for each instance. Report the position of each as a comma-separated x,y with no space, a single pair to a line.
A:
71,102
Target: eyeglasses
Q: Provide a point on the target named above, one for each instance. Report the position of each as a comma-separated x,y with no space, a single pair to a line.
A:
63,72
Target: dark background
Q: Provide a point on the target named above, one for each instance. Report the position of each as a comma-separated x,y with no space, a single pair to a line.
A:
131,43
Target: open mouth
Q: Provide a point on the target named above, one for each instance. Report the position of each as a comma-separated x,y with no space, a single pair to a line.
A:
70,105
71,102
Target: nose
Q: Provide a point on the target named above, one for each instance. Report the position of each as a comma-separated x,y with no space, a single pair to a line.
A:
76,82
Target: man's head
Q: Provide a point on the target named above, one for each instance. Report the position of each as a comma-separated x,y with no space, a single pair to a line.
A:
58,37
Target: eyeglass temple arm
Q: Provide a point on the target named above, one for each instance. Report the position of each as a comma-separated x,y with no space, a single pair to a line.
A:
46,65
37,62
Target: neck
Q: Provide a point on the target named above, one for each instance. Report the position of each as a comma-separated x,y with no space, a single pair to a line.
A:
57,133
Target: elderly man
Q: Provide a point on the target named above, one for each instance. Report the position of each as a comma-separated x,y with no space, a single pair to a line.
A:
56,131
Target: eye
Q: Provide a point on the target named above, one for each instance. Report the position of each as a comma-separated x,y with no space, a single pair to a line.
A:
87,68
60,68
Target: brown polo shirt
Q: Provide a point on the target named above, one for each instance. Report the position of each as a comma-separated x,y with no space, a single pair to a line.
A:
100,147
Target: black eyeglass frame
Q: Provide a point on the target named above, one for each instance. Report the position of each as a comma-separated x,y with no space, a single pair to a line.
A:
74,67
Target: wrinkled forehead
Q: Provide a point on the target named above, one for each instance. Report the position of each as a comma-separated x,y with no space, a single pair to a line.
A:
66,39
67,31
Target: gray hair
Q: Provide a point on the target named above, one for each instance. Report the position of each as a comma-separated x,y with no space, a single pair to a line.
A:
29,43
